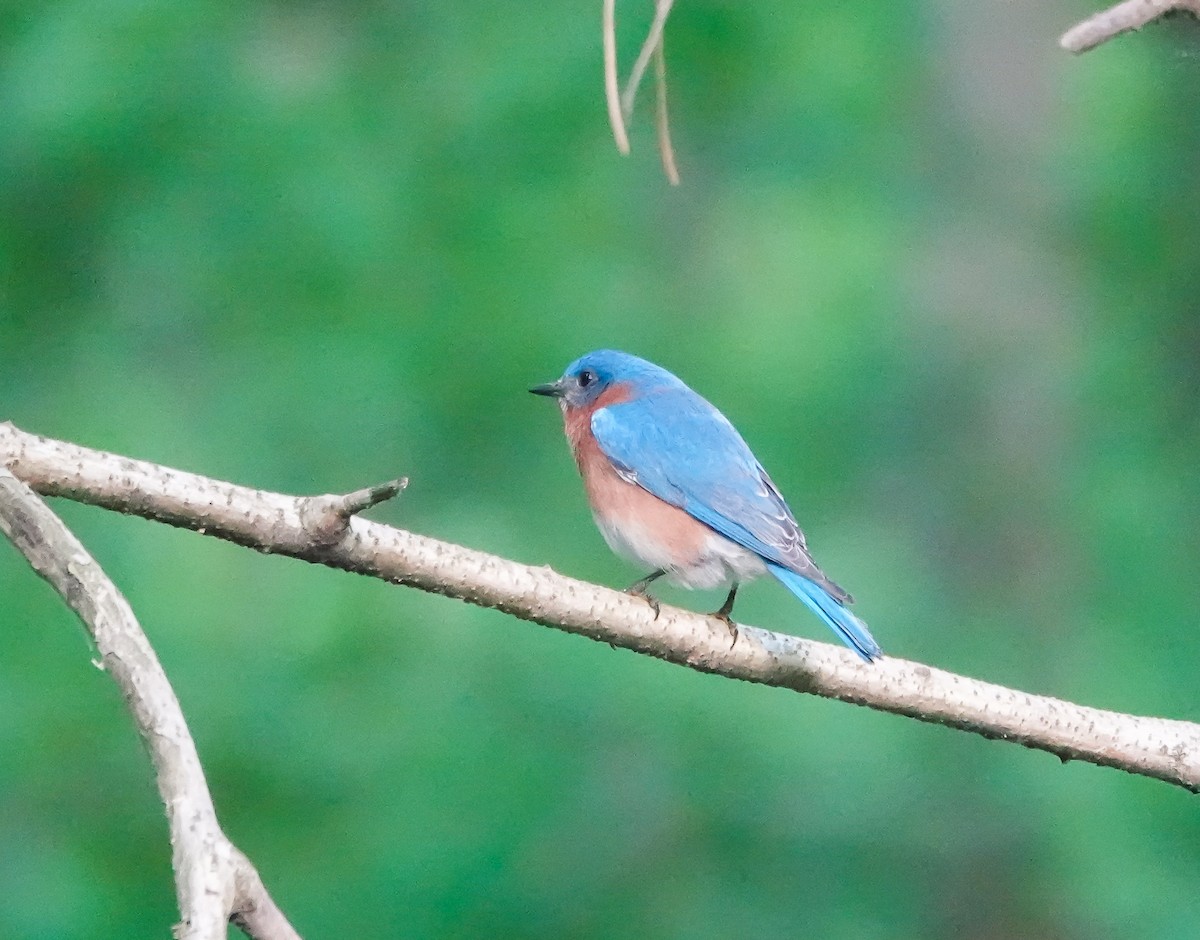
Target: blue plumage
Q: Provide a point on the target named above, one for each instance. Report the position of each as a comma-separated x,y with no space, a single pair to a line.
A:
659,435
852,631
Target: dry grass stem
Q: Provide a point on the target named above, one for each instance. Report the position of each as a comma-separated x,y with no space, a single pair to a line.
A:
611,85
662,121
653,43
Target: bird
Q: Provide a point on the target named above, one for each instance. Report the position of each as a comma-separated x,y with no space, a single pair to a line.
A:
674,487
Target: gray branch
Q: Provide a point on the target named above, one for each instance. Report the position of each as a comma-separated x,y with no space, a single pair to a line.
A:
1162,748
214,882
1118,19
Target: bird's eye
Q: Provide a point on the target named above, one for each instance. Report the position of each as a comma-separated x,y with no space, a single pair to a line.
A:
586,378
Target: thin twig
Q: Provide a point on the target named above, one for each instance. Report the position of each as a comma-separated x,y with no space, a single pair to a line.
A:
653,41
327,518
364,499
661,118
1161,748
1118,19
213,880
611,89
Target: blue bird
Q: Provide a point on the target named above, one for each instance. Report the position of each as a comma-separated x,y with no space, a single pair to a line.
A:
673,486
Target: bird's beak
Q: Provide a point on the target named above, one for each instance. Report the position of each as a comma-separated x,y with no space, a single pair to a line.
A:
550,389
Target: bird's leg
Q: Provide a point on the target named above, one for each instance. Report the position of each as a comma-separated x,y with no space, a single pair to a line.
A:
638,589
722,613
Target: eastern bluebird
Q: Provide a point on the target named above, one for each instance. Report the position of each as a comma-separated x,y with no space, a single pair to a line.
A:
673,486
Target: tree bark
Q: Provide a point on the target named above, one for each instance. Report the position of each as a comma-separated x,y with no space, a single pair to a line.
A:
1120,18
321,530
214,881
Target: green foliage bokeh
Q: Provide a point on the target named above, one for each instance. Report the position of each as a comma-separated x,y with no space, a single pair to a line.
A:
941,275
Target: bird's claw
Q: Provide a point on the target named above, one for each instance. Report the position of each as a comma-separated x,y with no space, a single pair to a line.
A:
723,612
638,589
648,598
724,617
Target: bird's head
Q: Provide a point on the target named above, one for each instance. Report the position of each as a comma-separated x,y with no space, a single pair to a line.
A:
590,376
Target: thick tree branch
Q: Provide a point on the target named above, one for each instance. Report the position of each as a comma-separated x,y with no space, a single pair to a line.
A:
1118,19
1155,747
214,881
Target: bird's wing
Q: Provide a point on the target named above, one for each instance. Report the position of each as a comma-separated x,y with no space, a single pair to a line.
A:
675,445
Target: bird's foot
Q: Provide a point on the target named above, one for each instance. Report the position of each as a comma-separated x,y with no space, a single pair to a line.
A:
722,613
645,595
638,589
724,617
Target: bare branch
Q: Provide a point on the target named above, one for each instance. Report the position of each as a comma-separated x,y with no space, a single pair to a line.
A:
1121,18
213,880
328,517
1154,747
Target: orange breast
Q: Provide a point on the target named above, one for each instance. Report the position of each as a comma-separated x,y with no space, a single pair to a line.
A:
643,525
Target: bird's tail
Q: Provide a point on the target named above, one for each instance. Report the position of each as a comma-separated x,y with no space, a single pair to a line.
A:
852,631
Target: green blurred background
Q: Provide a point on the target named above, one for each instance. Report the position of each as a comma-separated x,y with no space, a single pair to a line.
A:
942,275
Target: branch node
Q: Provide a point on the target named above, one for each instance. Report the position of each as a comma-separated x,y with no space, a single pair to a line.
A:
326,519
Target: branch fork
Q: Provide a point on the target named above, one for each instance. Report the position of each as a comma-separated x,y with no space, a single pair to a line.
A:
215,883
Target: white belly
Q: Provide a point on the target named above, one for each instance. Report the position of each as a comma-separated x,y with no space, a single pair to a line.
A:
718,563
